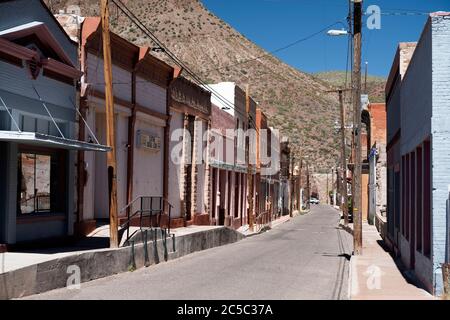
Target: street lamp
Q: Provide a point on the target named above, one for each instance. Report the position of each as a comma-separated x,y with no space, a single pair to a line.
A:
336,33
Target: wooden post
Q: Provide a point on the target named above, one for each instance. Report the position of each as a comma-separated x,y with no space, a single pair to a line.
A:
343,161
300,186
446,279
328,192
308,193
291,185
110,130
249,166
356,79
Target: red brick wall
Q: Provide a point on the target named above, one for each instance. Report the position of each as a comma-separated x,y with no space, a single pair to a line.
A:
378,122
202,219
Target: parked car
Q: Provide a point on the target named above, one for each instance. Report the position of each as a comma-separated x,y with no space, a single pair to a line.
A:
314,200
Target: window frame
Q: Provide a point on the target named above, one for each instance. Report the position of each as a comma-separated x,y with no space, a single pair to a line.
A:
60,176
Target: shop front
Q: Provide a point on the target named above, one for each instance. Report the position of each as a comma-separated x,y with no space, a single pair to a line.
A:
38,113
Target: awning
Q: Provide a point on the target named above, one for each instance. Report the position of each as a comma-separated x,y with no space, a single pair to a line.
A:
44,140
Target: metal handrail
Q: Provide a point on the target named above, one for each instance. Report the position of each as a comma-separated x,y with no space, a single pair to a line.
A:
147,201
262,219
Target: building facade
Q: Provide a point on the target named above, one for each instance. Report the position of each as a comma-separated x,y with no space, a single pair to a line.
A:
38,131
189,168
418,105
140,86
267,169
231,195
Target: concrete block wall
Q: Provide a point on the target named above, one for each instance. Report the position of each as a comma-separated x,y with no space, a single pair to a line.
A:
97,264
440,24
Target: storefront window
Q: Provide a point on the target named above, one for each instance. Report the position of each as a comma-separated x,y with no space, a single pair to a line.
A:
39,187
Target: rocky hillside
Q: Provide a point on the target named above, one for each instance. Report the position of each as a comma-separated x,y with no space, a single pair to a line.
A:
375,85
295,102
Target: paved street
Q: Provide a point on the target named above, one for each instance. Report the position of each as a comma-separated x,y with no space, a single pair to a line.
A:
304,258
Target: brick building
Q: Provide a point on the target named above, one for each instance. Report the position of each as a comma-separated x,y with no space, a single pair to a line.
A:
188,170
230,174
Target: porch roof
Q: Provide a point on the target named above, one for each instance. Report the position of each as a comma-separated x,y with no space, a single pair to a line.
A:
44,140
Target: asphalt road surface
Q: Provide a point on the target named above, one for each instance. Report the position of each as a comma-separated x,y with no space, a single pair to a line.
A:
304,258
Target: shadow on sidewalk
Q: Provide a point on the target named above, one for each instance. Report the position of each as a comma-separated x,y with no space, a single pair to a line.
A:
408,274
62,245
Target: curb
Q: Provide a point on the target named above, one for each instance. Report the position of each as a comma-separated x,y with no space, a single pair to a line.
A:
54,274
350,278
266,228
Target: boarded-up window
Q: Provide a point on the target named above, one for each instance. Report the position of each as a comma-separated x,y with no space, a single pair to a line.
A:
408,195
419,198
404,195
427,199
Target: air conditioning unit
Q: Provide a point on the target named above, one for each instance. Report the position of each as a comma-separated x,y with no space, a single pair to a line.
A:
148,141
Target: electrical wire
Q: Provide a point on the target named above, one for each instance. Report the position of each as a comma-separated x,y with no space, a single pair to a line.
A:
125,10
270,53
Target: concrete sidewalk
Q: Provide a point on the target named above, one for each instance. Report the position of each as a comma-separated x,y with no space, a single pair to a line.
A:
26,273
375,276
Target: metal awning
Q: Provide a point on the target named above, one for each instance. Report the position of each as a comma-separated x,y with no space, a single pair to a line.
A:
44,140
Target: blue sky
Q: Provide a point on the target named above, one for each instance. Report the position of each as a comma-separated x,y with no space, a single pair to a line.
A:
275,23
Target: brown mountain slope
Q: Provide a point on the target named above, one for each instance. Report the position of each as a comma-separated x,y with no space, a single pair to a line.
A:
295,102
375,85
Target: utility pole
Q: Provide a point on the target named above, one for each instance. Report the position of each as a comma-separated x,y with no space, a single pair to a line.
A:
328,191
343,185
110,130
343,161
365,77
308,193
249,166
300,187
292,186
356,79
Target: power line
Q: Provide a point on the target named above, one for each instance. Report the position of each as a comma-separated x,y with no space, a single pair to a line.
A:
270,53
172,56
404,13
125,10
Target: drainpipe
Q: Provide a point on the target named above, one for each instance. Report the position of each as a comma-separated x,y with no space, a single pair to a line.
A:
131,140
81,171
208,187
166,150
194,169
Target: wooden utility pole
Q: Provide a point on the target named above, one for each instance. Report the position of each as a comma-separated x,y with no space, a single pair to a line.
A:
300,203
343,186
110,130
308,193
343,161
356,79
292,185
249,166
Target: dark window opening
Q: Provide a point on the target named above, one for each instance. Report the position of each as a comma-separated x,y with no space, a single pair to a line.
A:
408,195
41,183
427,199
403,196
419,198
